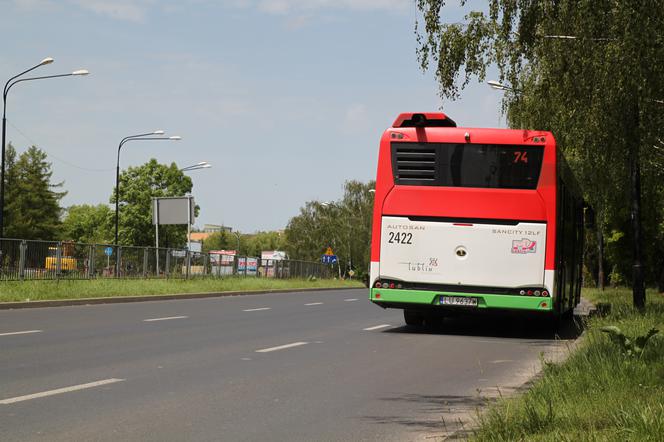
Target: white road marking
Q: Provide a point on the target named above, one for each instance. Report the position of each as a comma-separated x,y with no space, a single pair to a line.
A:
500,361
26,332
376,327
59,391
281,347
314,303
257,309
350,299
165,319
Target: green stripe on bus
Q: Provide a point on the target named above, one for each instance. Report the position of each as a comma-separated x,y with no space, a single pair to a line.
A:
485,300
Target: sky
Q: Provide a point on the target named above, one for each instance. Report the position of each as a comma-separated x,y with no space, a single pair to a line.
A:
287,99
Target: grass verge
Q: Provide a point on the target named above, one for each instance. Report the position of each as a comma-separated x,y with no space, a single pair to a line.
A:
16,291
599,393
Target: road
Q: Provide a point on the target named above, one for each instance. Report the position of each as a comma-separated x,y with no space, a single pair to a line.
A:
325,365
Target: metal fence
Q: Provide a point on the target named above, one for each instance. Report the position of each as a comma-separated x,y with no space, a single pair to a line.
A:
34,260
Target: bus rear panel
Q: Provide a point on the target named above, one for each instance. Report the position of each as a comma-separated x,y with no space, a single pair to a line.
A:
465,219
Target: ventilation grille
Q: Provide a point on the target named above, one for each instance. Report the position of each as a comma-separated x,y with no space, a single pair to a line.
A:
414,164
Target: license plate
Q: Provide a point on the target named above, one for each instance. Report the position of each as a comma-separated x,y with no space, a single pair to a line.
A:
458,300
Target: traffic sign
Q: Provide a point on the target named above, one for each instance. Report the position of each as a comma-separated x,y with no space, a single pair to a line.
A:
329,259
108,251
329,252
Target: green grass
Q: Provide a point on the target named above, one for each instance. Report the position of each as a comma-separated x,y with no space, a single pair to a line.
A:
52,290
598,394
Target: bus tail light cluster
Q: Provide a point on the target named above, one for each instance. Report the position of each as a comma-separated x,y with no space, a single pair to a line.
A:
387,285
534,292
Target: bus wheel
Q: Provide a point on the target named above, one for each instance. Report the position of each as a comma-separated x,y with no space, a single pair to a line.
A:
413,318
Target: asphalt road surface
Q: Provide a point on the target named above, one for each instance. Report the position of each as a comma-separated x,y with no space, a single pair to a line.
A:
325,365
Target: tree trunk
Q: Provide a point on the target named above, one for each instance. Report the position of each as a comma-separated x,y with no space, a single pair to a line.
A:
638,284
600,259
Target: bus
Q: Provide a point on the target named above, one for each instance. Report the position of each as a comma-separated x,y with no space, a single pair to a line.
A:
472,220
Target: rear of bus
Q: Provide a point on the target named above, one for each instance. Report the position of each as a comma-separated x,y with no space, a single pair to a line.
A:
464,219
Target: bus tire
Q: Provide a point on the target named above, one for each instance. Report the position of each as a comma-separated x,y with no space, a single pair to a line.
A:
413,318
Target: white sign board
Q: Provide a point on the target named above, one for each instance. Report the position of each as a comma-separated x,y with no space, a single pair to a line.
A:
173,210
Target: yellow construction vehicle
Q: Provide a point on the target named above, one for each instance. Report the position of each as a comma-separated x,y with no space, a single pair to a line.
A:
67,263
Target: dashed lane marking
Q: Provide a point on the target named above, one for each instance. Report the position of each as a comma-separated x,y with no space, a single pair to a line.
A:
26,332
27,397
350,299
314,303
168,318
281,347
257,309
376,327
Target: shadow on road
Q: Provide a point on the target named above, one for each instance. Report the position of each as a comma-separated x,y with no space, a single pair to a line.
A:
500,327
439,415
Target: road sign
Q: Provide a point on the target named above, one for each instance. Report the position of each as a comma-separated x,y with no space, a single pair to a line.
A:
329,252
351,273
329,259
108,251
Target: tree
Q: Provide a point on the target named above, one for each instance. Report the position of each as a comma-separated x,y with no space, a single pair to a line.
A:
344,225
88,224
32,209
258,242
220,241
598,90
138,185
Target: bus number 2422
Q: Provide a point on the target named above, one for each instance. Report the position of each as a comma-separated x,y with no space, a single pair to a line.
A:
400,238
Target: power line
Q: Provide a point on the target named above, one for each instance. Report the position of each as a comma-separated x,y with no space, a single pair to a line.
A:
32,142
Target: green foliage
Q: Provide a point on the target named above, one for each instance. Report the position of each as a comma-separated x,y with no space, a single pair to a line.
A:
254,244
599,93
32,209
220,241
344,225
597,394
631,347
138,185
88,224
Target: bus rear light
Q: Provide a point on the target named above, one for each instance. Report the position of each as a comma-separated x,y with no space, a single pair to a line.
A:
537,292
377,296
397,136
545,293
391,285
543,304
399,286
385,285
377,284
530,293
522,292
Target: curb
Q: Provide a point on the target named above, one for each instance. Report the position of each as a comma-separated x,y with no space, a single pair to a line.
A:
147,298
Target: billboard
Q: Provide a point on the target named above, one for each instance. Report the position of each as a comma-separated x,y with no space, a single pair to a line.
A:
173,210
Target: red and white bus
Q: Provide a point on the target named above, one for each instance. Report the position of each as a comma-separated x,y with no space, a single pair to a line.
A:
473,219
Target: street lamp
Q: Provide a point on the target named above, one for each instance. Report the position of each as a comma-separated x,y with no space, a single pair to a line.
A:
197,166
11,82
139,137
499,86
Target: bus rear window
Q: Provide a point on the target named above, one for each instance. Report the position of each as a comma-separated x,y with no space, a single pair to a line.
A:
467,165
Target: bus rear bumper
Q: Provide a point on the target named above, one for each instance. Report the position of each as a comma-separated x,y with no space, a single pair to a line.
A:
426,299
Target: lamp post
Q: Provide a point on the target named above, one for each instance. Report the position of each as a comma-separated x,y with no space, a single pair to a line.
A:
197,166
139,137
11,82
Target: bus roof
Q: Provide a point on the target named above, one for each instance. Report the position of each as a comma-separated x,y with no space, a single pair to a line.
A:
423,119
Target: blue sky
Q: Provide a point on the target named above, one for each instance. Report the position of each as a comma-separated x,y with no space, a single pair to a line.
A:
286,98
